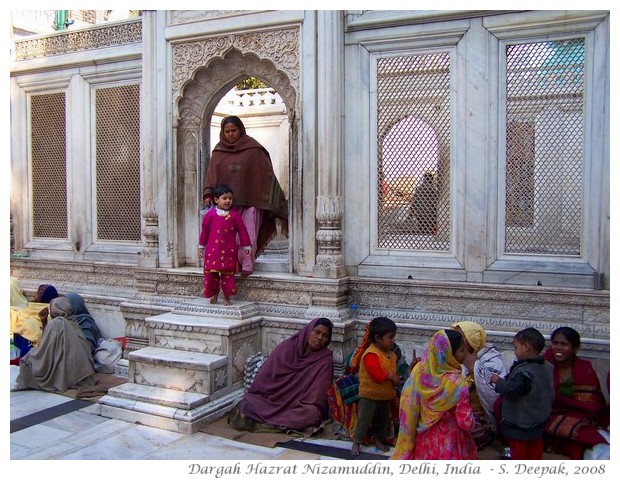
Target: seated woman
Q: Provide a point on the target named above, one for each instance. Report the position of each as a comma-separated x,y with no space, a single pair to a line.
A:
579,405
85,320
28,318
62,359
290,389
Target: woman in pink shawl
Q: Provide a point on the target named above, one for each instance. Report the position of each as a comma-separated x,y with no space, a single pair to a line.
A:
290,389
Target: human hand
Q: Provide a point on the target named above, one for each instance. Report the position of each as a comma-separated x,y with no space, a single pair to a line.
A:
248,251
201,251
43,313
494,378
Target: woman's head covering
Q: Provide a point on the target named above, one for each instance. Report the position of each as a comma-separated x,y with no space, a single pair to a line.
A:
359,351
474,334
17,297
61,307
82,316
436,384
45,293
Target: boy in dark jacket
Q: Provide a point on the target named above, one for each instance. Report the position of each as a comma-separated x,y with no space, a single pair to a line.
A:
527,394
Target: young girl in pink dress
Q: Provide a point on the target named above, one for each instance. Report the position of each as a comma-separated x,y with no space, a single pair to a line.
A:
218,245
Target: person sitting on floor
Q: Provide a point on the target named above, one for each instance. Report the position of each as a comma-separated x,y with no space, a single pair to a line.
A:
290,389
63,358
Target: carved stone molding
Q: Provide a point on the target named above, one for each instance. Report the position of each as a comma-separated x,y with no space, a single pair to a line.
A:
178,17
150,233
93,38
200,68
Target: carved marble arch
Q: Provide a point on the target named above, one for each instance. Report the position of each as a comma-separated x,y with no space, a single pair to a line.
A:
196,104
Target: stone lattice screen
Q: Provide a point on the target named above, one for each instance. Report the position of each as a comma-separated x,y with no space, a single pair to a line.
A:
413,152
544,147
118,163
49,165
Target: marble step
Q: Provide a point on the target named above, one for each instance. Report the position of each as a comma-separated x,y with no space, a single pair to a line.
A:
204,331
169,409
193,372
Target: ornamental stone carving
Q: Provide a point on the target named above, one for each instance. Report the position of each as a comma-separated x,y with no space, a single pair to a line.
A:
93,38
272,55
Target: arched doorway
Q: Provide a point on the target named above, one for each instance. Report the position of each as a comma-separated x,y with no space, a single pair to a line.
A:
197,107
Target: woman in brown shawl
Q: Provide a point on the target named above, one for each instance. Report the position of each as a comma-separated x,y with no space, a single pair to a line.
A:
290,389
62,359
245,165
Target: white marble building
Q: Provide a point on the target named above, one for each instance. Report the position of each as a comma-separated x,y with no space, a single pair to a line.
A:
111,131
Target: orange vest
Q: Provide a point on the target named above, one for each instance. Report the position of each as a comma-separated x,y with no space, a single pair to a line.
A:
371,389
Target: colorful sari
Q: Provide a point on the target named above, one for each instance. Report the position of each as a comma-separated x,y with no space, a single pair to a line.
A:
577,410
436,418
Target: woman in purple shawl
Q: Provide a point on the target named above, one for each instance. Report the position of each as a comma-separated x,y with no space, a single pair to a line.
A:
290,389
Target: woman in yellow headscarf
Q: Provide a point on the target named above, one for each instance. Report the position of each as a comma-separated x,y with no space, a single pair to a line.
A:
435,416
27,318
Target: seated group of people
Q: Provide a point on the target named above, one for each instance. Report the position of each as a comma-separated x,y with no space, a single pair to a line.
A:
445,403
56,339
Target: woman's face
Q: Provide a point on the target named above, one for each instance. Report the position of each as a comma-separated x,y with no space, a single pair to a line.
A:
319,338
231,132
563,350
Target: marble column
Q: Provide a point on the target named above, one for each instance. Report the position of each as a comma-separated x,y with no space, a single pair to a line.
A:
330,84
150,236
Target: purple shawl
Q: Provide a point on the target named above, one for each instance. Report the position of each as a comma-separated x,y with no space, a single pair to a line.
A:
290,389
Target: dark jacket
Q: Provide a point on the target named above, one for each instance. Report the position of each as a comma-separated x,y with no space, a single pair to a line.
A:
527,394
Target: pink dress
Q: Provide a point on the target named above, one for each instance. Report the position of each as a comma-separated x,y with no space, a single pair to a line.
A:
450,438
218,235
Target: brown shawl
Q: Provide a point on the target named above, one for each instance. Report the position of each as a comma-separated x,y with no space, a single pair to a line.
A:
245,166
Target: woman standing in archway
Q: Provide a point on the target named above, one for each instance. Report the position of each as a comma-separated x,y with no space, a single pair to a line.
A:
245,165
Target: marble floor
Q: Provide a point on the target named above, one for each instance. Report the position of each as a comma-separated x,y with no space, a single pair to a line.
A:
48,426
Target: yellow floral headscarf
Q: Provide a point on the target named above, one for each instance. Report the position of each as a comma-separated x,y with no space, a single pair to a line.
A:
436,384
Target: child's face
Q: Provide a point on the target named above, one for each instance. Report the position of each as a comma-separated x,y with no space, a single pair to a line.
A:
386,341
522,350
224,201
461,352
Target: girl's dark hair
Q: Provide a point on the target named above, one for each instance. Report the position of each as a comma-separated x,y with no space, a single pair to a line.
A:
380,326
236,121
571,335
455,338
221,189
327,323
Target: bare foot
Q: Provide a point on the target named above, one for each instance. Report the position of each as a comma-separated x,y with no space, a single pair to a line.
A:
382,446
355,449
213,299
245,273
227,301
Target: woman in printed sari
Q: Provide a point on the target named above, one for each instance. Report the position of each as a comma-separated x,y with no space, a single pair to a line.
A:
242,163
290,389
436,419
579,404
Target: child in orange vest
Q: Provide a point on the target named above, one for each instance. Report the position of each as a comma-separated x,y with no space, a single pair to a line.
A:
378,379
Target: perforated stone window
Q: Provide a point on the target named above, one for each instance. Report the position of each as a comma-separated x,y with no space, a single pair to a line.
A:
49,165
117,170
544,147
413,127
